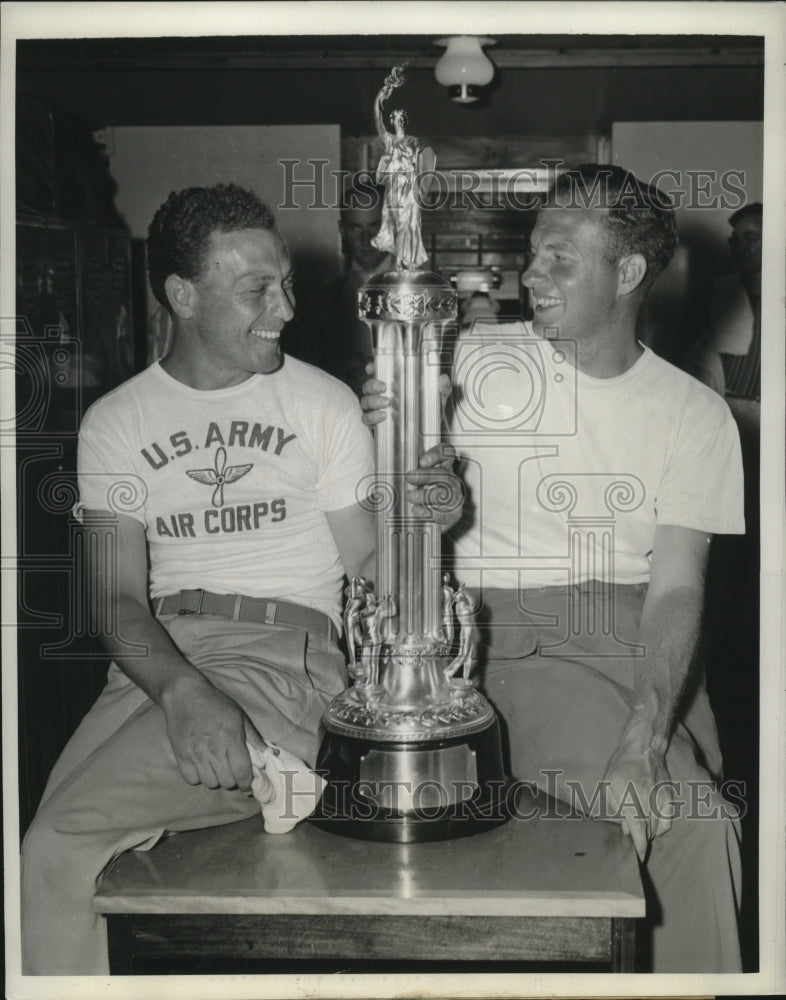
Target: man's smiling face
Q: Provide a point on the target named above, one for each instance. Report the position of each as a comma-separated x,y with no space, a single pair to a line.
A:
242,302
572,286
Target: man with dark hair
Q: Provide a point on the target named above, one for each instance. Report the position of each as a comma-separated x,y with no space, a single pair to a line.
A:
598,473
180,233
220,487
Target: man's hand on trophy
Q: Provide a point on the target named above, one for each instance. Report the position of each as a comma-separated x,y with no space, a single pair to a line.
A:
436,492
374,402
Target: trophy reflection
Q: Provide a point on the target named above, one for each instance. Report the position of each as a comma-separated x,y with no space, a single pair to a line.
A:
412,749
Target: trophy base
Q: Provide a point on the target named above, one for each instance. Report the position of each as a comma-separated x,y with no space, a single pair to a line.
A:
407,792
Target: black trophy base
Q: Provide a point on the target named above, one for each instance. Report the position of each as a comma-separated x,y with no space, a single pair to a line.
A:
356,800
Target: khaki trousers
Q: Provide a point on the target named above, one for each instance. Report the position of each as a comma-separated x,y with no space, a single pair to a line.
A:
560,664
117,785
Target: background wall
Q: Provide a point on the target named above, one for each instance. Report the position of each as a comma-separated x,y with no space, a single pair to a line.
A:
544,84
716,165
553,96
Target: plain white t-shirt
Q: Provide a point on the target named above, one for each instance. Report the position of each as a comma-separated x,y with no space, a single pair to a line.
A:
569,475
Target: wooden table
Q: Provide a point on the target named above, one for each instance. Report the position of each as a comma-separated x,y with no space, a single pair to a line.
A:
533,890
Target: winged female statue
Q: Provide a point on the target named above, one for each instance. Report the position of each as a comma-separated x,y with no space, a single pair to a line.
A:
401,169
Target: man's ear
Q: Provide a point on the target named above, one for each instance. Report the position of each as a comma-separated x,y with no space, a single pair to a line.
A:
182,295
631,273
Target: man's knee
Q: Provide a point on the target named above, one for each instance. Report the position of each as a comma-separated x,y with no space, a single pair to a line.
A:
63,830
42,849
705,828
700,804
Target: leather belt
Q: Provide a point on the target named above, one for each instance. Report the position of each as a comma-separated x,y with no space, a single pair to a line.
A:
250,609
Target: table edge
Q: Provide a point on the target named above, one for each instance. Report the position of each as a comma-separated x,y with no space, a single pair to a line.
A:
566,904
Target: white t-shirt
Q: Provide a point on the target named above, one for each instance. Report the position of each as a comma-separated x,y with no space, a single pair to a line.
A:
569,475
232,485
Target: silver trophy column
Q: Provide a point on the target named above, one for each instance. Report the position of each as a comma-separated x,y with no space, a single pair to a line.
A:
412,750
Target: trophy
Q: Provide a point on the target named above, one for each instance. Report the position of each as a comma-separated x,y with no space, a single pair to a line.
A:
412,750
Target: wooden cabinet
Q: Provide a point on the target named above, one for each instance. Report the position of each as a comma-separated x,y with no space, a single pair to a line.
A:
73,343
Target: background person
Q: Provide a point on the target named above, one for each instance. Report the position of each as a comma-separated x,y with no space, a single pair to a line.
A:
728,358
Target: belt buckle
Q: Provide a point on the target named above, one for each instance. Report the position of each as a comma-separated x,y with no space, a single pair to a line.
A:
270,612
188,611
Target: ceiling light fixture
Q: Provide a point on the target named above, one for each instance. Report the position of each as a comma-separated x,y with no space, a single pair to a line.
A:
465,67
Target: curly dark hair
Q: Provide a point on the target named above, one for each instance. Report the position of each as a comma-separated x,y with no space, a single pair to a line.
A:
178,236
639,218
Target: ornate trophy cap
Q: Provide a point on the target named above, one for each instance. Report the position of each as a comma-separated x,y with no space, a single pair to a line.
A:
407,296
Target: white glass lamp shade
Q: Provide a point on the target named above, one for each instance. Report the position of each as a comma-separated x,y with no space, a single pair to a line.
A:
464,67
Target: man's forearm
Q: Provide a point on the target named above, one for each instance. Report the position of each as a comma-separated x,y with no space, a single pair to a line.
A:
669,634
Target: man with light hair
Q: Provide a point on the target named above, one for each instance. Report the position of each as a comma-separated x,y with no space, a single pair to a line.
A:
598,474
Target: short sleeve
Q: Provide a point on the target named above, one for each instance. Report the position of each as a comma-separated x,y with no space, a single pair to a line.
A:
107,473
347,460
702,485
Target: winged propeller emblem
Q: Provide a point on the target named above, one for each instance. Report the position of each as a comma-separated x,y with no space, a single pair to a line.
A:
219,476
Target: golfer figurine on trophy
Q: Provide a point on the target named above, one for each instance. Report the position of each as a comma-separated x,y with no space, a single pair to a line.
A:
412,750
